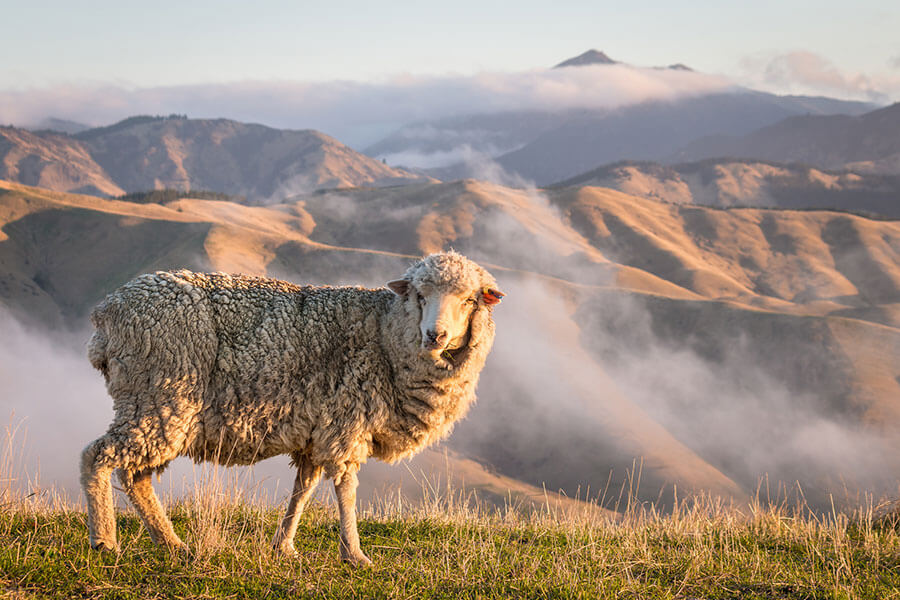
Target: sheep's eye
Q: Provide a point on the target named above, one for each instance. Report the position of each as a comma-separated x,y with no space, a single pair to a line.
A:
471,301
421,298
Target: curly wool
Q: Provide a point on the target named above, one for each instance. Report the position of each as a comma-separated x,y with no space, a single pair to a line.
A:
235,369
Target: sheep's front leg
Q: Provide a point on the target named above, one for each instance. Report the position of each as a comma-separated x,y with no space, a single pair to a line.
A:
305,483
345,488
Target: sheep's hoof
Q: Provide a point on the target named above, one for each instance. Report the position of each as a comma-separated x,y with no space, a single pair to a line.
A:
101,546
285,550
179,550
357,559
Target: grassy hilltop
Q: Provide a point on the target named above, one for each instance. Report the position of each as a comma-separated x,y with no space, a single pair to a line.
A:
448,549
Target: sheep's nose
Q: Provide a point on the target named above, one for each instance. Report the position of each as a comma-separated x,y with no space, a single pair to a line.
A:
436,337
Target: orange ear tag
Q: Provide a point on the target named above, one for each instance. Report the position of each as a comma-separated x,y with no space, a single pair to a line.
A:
491,296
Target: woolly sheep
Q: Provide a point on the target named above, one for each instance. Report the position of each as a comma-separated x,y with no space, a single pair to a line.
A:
236,369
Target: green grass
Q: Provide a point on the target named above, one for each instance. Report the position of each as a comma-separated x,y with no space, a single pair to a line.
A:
448,545
448,549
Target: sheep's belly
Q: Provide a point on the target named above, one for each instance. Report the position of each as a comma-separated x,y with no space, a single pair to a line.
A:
245,440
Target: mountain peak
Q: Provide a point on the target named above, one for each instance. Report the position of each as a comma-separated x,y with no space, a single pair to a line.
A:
591,57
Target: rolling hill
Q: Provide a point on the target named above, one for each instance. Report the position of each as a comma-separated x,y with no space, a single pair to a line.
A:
747,182
52,161
146,153
698,347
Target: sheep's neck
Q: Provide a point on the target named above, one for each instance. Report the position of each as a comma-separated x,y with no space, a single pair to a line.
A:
428,398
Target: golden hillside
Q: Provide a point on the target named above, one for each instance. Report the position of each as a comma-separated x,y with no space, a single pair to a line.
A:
735,182
56,162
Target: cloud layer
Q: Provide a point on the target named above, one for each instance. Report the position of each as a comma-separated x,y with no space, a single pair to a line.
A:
805,72
360,113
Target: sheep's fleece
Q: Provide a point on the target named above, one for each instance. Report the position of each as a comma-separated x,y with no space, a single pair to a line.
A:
235,369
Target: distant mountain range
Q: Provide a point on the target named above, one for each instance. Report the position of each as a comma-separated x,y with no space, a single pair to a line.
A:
54,125
549,147
865,143
546,147
145,153
654,131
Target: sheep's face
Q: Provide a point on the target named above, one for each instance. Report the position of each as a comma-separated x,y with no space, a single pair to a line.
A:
444,315
445,318
444,291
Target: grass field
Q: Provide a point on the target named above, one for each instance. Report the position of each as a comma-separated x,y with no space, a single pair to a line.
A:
449,545
448,549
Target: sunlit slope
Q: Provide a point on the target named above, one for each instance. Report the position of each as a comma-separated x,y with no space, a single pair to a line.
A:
52,161
734,182
804,262
60,253
228,156
810,262
799,261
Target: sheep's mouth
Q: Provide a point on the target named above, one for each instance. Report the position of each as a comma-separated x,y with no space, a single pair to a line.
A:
434,347
453,355
456,355
446,356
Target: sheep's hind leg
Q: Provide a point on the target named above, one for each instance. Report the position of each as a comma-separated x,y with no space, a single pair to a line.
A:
139,487
345,488
305,483
97,464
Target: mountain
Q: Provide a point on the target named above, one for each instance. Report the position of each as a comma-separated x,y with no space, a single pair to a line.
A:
648,131
145,153
546,147
639,341
596,57
591,57
747,182
865,143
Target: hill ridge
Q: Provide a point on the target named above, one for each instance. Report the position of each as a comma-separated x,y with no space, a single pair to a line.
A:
146,152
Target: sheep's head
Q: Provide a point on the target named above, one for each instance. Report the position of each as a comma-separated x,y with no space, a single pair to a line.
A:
446,290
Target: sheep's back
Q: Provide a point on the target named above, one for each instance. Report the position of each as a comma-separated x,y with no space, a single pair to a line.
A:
249,364
287,358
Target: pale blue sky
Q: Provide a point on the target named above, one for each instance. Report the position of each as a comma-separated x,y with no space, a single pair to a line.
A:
359,70
48,42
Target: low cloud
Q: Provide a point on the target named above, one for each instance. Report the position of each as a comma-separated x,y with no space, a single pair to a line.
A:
805,72
360,113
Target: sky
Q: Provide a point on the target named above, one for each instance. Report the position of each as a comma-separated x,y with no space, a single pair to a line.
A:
789,46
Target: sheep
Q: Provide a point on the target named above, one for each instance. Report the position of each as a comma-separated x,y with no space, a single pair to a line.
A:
235,369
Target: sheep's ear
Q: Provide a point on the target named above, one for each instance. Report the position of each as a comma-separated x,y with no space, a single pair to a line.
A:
399,286
492,295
